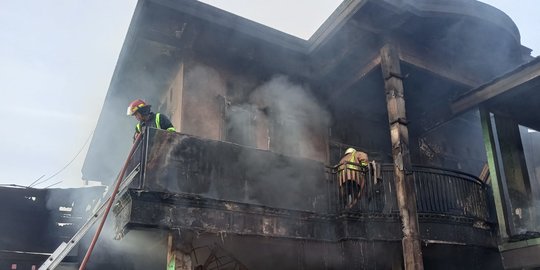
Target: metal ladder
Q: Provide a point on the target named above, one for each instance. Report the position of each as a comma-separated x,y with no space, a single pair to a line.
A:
63,250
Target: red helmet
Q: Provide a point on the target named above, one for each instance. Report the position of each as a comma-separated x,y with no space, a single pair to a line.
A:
135,105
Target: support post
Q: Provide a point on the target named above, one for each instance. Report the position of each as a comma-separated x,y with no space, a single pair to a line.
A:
494,171
516,174
177,257
403,175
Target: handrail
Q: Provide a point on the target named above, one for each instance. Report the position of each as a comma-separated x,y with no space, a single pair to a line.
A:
418,166
439,191
474,178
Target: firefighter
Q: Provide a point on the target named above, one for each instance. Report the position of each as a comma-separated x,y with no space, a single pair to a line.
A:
352,171
141,110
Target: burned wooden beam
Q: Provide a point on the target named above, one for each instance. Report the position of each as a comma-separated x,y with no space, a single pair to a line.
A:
140,210
404,179
520,76
185,211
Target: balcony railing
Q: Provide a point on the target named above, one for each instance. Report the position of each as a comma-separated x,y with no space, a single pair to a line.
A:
179,163
438,191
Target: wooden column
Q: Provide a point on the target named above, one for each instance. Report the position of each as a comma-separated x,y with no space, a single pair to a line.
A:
499,193
516,174
178,258
404,178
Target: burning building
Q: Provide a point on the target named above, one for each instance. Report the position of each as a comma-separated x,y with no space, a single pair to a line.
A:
250,182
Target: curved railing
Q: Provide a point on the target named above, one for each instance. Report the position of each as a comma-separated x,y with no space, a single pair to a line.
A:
439,191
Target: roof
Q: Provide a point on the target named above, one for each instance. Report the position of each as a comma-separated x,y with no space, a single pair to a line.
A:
515,94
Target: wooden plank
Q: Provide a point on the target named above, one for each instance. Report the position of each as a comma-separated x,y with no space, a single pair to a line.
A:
404,179
171,258
178,251
495,171
496,88
484,174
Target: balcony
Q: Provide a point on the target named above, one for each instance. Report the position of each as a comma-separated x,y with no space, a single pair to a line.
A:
185,182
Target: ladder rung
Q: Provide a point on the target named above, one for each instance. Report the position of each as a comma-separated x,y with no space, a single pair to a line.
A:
63,250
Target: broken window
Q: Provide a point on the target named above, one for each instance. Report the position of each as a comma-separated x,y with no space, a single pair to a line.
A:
239,125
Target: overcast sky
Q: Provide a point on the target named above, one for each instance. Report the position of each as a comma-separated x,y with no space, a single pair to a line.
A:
57,58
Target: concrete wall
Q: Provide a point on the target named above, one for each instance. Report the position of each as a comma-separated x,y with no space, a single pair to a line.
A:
213,101
178,163
173,98
202,103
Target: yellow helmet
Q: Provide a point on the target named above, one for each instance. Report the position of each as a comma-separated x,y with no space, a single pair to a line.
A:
349,150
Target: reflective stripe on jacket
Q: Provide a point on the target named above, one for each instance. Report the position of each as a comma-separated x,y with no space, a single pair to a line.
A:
158,125
353,160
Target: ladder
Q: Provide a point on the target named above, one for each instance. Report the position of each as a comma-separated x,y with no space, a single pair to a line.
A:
63,250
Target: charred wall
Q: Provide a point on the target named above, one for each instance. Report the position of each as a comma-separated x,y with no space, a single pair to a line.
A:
458,145
33,222
256,235
37,220
178,163
437,137
256,107
23,214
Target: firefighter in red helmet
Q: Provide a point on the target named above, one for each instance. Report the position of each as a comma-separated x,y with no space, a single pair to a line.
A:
142,111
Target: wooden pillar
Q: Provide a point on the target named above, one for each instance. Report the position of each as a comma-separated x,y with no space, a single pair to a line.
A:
494,172
516,174
404,178
177,257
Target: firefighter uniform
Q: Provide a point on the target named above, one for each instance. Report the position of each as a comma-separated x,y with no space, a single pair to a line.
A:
352,174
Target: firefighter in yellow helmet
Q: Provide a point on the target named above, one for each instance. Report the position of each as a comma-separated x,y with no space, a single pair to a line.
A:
352,174
142,112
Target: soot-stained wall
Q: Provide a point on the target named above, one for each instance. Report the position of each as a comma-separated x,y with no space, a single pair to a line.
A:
179,163
258,109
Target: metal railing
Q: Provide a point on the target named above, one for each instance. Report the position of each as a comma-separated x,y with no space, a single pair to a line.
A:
438,191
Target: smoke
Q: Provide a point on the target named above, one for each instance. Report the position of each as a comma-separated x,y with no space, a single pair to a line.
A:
202,102
142,78
283,117
238,117
277,115
137,250
69,209
299,122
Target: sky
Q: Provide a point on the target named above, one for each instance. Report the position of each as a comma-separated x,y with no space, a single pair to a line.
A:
57,58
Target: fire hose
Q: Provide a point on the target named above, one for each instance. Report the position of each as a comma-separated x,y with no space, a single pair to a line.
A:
109,204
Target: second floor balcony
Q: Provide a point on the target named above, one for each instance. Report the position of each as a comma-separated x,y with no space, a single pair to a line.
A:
187,182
